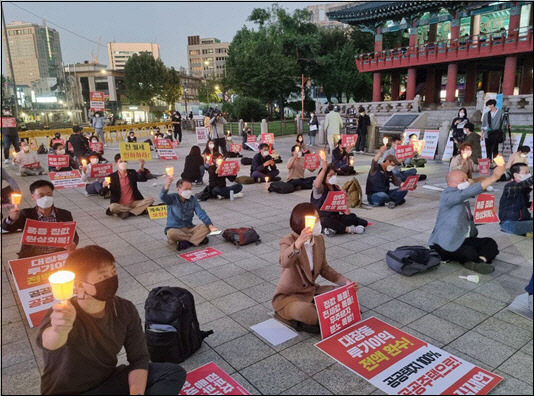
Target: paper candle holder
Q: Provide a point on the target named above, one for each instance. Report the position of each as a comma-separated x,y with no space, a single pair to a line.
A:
62,284
499,160
16,198
170,171
385,141
107,179
309,221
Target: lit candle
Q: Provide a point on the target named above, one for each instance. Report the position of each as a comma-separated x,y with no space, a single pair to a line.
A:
297,149
309,221
499,160
84,163
322,154
170,171
351,162
15,199
208,158
62,283
385,141
266,181
14,155
108,179
219,162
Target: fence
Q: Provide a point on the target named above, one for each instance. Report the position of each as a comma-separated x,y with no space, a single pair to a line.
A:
279,128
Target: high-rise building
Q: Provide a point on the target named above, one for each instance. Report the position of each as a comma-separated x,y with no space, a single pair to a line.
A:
35,52
119,53
207,57
318,14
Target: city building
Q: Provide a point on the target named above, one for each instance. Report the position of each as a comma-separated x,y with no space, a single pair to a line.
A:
319,17
207,57
119,53
35,51
190,86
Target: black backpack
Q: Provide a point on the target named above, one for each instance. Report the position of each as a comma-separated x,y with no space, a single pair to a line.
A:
241,236
204,195
246,161
171,326
281,187
409,260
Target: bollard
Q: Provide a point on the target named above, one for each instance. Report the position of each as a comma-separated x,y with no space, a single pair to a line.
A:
264,126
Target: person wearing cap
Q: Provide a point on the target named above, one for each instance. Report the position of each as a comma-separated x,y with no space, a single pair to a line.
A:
378,180
333,123
93,185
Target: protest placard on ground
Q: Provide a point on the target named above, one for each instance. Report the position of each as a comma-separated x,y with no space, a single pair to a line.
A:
229,168
58,161
157,212
53,234
484,166
251,139
98,146
167,154
202,254
202,134
33,165
210,380
410,183
335,201
31,280
236,147
337,309
403,152
267,138
312,161
66,179
348,141
485,209
482,145
431,139
101,170
135,151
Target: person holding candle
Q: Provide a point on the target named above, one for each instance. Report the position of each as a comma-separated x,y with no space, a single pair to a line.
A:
296,170
303,260
59,150
472,138
263,165
463,161
12,187
42,193
299,142
402,175
93,185
28,162
341,160
194,167
82,337
415,161
181,208
217,184
126,199
514,213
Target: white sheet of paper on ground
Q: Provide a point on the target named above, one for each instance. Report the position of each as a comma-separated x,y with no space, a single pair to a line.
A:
520,306
432,187
274,331
213,233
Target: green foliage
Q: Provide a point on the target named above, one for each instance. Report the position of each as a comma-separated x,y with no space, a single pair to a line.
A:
144,78
247,109
309,105
207,92
171,90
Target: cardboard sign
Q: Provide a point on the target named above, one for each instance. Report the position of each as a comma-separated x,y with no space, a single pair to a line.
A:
403,152
100,170
210,380
484,213
251,139
348,141
202,134
96,102
236,148
337,309
49,234
431,140
135,151
58,161
335,201
33,165
167,154
312,161
31,280
98,147
410,183
9,122
267,138
66,179
198,255
484,166
449,149
408,132
229,168
157,212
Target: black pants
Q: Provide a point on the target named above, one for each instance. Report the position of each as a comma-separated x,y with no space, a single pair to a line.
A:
178,134
339,222
304,184
164,379
361,141
471,250
220,142
492,144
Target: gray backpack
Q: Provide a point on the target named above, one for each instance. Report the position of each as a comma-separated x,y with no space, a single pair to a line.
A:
409,260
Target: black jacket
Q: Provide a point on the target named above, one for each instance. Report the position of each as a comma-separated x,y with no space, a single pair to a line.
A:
363,124
73,165
192,168
27,250
216,180
80,145
134,177
257,164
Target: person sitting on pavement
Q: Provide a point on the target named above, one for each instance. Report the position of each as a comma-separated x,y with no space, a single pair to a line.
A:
194,168
473,138
42,193
181,208
303,260
12,187
217,184
263,165
380,176
131,138
93,185
59,150
455,235
463,161
333,222
79,144
301,145
296,170
168,135
27,161
402,175
341,160
81,338
519,157
514,214
126,199
415,161
54,140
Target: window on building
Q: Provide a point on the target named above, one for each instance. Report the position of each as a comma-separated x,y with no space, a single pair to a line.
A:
322,15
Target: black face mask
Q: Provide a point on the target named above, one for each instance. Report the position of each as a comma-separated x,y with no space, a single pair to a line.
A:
106,289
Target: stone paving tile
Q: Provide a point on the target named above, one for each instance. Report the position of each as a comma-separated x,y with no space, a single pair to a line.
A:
519,366
484,304
309,387
481,348
224,330
341,381
214,290
234,302
260,293
399,312
244,280
422,300
21,379
500,331
202,358
460,315
527,348
16,352
437,328
307,357
253,315
207,312
246,384
510,386
244,351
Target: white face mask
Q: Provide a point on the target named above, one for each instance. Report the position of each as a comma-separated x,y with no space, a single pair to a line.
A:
463,185
45,202
186,194
25,149
332,180
264,153
123,165
462,115
94,141
521,178
60,152
299,154
523,155
94,161
467,154
317,228
390,168
466,132
211,146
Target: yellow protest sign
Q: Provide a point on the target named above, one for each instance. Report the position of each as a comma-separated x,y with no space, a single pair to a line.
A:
135,151
157,212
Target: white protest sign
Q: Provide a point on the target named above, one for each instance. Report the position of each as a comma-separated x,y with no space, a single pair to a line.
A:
431,139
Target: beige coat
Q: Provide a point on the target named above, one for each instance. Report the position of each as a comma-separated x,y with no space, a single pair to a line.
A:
296,282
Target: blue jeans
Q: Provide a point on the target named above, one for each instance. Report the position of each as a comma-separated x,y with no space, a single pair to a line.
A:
381,198
94,188
8,141
311,140
517,227
203,170
529,286
403,175
225,191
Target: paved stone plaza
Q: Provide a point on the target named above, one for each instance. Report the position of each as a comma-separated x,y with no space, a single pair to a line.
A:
233,291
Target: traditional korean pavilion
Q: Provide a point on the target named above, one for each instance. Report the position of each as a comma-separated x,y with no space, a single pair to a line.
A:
477,45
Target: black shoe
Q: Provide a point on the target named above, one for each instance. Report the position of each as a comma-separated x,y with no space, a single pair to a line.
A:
182,245
401,202
205,241
480,267
125,215
301,326
276,179
108,212
422,177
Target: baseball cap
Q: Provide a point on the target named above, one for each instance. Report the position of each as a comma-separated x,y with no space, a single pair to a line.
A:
391,157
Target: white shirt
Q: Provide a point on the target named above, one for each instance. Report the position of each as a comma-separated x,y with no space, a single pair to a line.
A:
309,252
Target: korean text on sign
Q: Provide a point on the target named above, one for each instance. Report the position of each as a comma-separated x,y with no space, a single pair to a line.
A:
229,168
210,380
167,154
348,141
484,166
101,170
51,234
98,147
135,151
156,212
198,255
335,201
337,309
236,147
312,161
403,152
58,161
410,183
202,135
66,179
485,209
267,138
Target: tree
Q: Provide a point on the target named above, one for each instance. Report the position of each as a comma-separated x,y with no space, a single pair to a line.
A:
207,92
248,109
171,90
144,78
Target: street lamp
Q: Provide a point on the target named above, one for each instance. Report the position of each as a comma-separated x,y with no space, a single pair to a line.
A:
103,71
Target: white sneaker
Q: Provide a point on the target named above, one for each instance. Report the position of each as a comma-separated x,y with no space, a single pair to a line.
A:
219,197
238,195
356,229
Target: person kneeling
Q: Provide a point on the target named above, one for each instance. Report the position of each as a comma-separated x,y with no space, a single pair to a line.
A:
181,208
82,337
303,259
513,208
217,184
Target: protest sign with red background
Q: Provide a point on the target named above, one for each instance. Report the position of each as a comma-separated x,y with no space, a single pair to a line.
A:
96,101
236,148
9,122
31,280
66,179
337,309
477,381
33,165
70,149
267,138
210,380
484,209
58,161
348,141
50,234
202,135
251,139
165,149
403,152
198,255
484,166
335,201
312,161
100,170
98,146
60,141
229,168
410,183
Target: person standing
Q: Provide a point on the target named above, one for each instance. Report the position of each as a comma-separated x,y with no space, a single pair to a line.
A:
333,124
457,127
492,126
217,123
363,125
98,121
10,134
177,126
314,128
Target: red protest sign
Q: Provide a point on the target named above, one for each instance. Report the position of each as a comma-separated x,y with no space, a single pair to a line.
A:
98,147
50,234
100,170
162,144
198,255
96,101
337,309
69,147
31,280
251,139
58,161
9,122
211,380
312,161
60,141
267,138
484,209
228,168
167,154
335,201
66,179
236,148
477,381
403,152
410,183
484,166
348,141
175,144
33,165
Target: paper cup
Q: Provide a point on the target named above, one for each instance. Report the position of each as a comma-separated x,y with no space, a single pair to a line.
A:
170,171
471,278
219,162
107,179
309,221
16,198
62,283
499,160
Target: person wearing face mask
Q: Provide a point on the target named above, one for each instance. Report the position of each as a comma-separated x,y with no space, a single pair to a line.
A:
217,123
380,176
520,156
514,213
10,134
463,161
79,144
341,161
59,150
333,222
82,337
126,199
295,171
131,137
303,260
455,236
98,121
177,125
42,193
217,184
473,139
492,127
457,127
56,139
27,161
263,165
93,185
402,175
314,128
300,143
363,126
181,208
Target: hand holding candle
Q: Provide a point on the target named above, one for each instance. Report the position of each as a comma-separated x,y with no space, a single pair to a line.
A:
309,221
62,284
170,171
14,155
219,162
499,160
385,141
84,163
15,199
322,154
